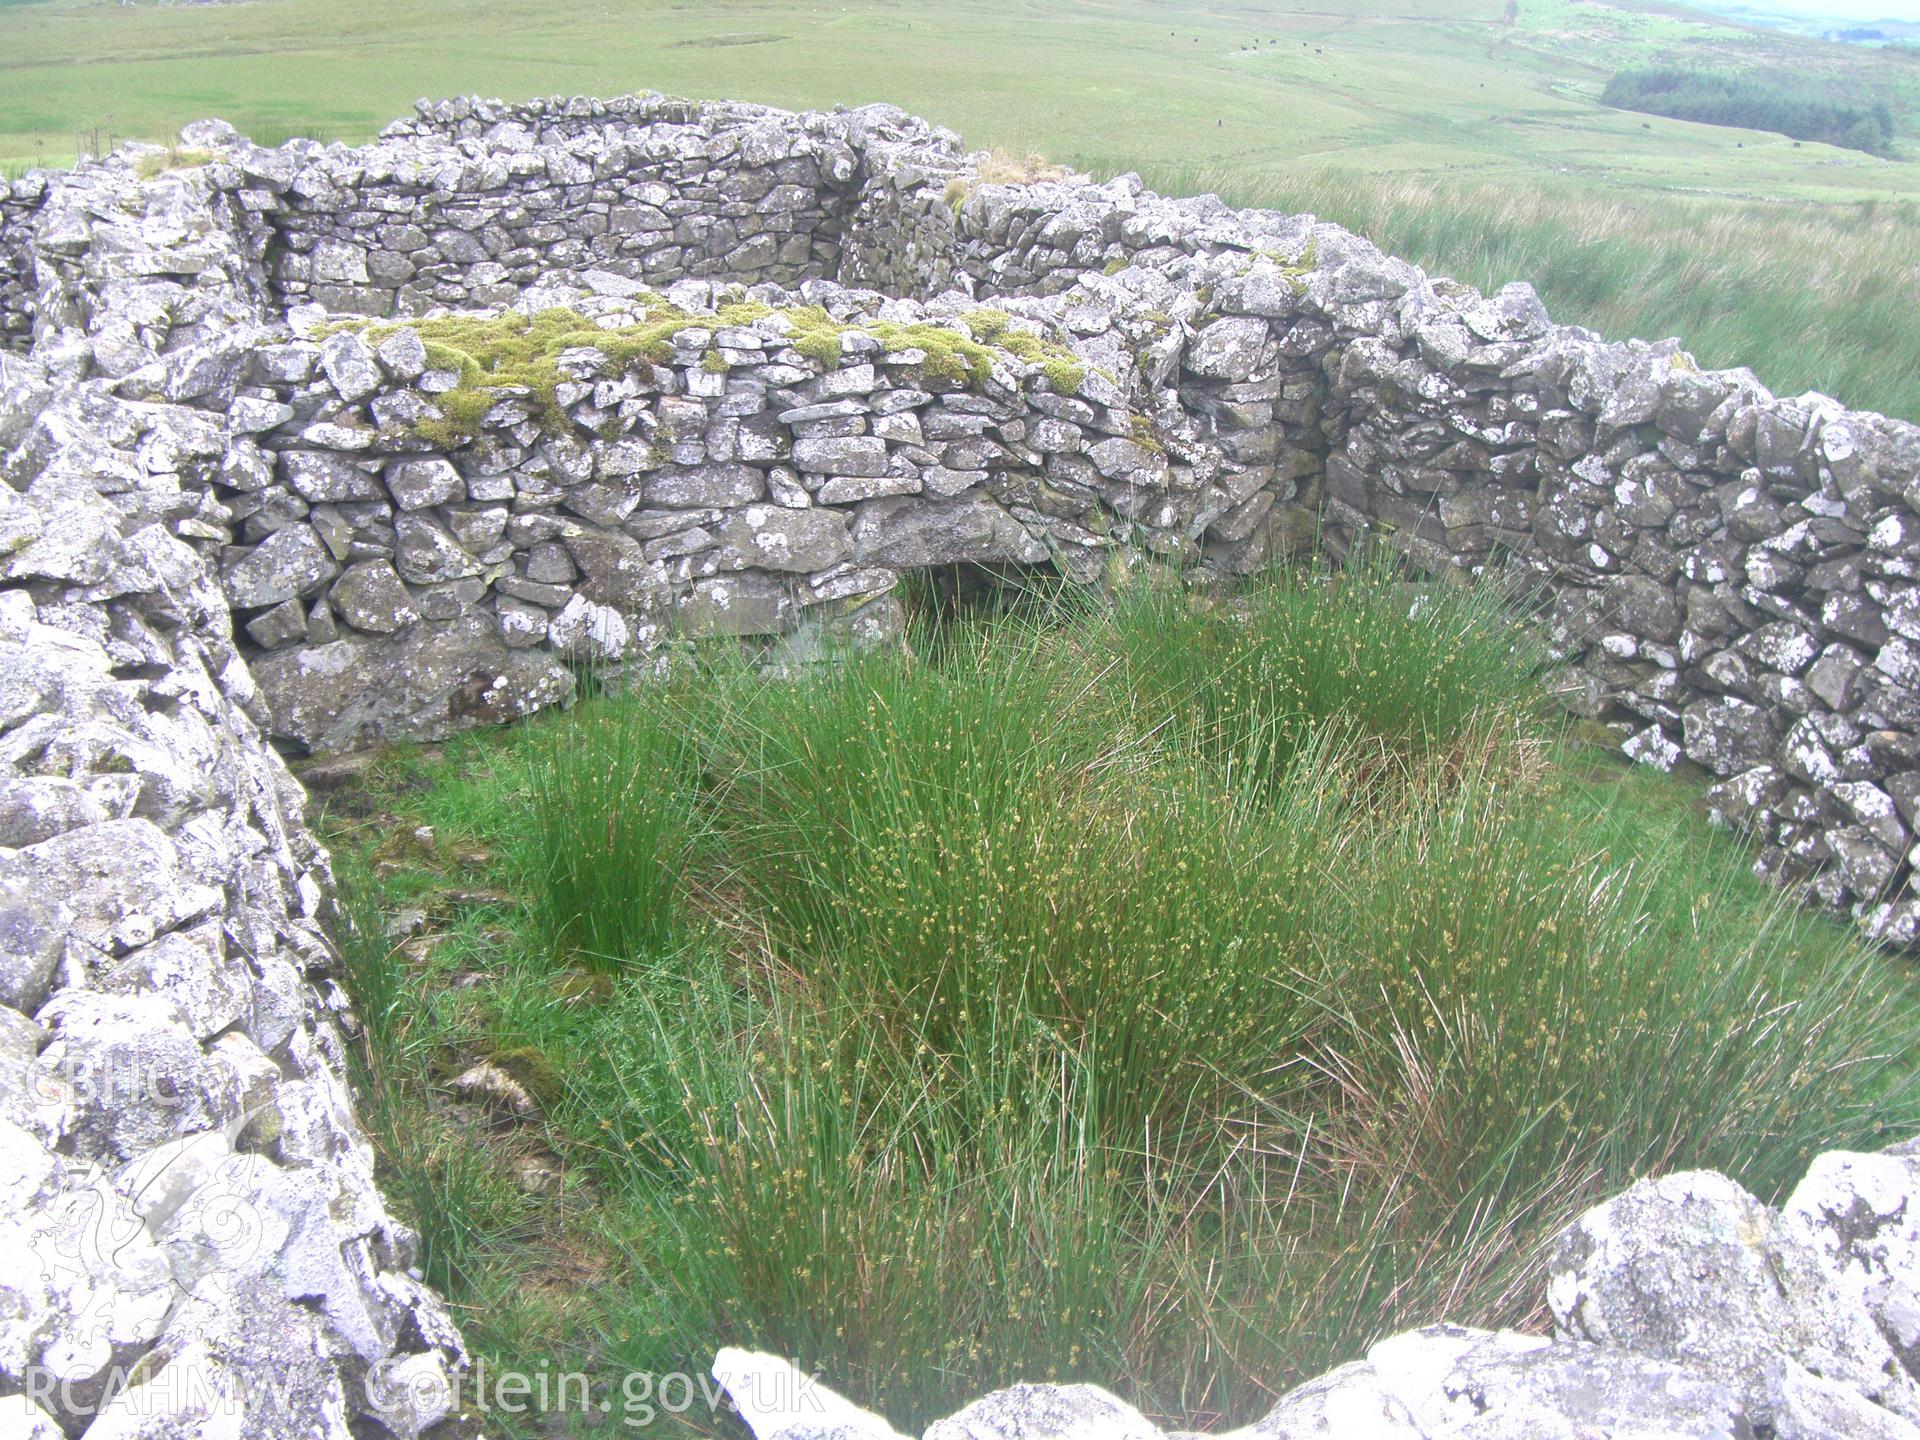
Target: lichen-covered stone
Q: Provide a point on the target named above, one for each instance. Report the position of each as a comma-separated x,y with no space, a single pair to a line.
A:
370,596
1690,1268
1046,1412
1862,1214
1349,1400
778,1401
286,565
424,683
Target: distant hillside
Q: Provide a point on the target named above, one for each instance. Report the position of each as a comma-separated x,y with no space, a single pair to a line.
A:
1865,28
1755,100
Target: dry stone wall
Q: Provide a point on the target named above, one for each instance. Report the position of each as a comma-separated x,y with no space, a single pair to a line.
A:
744,483
192,1242
1727,571
1730,572
261,494
469,203
18,203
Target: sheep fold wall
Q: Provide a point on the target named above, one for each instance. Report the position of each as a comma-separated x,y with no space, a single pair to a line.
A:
192,1237
247,507
1732,573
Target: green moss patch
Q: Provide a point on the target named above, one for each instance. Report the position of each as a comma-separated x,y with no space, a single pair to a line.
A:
1297,268
499,355
173,158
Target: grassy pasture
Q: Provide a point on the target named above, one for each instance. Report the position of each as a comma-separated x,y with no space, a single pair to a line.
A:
1176,998
1256,87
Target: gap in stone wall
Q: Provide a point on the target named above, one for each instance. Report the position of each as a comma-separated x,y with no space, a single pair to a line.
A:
941,596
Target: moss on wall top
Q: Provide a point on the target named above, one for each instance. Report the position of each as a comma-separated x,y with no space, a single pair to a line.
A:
519,353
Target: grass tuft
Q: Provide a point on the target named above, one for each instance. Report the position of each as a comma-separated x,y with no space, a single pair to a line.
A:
611,823
174,157
1000,167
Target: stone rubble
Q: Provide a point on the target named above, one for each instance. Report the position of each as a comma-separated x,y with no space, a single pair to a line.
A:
242,508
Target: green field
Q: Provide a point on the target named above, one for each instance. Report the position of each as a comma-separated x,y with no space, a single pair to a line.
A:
1467,135
1260,88
1173,995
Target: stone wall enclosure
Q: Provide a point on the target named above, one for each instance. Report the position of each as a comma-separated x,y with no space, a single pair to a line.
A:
316,446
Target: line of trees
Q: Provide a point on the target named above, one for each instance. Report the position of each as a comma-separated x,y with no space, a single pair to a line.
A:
1754,101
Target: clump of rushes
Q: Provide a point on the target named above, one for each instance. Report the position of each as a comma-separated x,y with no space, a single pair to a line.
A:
514,352
941,844
610,824
1527,1017
1359,654
1178,998
880,1227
